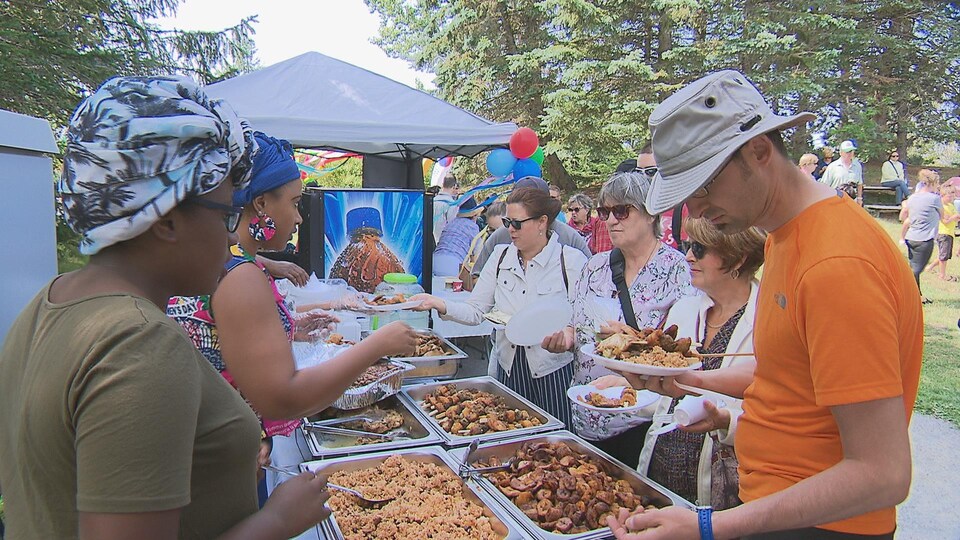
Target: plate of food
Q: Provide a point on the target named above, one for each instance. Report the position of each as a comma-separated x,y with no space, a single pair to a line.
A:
650,351
389,302
615,399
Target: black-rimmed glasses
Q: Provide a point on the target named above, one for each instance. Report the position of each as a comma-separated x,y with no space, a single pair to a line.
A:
699,250
231,214
516,223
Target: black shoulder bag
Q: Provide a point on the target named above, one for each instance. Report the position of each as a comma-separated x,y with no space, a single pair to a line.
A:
617,267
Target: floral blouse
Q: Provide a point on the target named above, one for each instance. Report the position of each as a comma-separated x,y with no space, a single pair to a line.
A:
664,280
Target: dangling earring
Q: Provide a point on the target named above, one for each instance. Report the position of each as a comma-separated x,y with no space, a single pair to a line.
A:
262,228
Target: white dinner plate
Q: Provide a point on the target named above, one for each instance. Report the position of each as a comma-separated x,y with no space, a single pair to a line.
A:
538,320
389,307
644,398
637,369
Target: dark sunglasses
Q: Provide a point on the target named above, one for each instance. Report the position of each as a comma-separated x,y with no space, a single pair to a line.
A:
516,223
231,214
649,172
574,209
698,249
619,211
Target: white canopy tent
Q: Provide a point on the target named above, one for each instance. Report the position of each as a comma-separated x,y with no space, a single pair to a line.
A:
315,101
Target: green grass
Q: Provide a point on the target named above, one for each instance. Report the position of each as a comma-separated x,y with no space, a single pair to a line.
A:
940,377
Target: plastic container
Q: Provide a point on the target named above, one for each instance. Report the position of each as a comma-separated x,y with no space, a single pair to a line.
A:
405,284
349,328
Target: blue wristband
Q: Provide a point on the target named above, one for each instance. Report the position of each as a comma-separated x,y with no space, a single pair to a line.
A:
705,518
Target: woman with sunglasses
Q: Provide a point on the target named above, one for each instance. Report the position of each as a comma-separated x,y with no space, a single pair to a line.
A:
534,266
594,229
893,175
114,426
655,275
687,461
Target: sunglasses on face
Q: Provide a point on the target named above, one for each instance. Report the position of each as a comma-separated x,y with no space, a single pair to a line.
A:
698,250
574,209
620,211
231,214
649,172
515,224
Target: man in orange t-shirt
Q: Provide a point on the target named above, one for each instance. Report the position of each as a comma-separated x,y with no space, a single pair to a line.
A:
822,444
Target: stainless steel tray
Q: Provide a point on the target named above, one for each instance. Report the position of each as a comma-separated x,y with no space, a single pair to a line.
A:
330,445
415,395
436,367
660,495
502,522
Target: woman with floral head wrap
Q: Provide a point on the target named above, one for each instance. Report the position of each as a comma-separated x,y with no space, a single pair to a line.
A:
114,426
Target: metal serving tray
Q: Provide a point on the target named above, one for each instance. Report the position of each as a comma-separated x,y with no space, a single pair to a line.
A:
415,394
502,522
435,367
642,485
329,445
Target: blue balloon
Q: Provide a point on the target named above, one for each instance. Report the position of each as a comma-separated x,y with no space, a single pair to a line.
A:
500,162
527,167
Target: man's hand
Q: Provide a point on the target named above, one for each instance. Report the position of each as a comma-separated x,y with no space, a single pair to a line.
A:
671,523
609,381
716,419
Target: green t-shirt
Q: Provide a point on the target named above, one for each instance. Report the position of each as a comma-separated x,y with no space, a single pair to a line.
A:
108,407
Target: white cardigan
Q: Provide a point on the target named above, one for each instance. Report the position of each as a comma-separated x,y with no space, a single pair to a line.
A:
513,288
685,314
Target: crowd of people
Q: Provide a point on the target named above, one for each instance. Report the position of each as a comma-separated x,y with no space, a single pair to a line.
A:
806,447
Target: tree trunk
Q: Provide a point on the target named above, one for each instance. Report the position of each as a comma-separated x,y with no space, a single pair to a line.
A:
555,173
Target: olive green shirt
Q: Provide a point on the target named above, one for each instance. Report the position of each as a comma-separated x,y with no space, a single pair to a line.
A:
106,406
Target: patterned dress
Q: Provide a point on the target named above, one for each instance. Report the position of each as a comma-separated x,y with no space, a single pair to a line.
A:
195,315
676,456
664,280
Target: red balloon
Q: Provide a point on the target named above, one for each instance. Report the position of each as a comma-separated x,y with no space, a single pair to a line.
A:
523,143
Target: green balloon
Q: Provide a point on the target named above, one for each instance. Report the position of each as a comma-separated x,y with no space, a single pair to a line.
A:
538,156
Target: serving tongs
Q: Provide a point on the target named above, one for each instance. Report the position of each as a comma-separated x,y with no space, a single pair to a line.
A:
353,432
467,471
369,416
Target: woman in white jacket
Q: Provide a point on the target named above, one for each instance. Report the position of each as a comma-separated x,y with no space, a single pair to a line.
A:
701,467
534,266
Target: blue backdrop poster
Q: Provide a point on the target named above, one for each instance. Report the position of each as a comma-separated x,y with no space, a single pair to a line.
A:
369,233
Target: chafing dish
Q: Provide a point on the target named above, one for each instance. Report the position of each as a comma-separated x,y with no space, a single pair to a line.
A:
658,495
436,367
326,444
502,523
415,395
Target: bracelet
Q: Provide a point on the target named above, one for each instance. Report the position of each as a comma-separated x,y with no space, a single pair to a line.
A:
705,518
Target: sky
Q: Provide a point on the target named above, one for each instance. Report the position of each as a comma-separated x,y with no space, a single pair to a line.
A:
287,28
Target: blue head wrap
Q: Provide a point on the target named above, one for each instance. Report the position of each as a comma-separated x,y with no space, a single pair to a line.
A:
273,166
139,146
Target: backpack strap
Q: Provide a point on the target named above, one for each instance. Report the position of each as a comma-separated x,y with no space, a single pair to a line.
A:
563,271
503,256
617,267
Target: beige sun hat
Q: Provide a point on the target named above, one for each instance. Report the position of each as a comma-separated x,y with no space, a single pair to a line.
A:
696,130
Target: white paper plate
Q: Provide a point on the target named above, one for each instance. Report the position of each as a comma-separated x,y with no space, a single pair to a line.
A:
390,307
644,398
637,369
538,320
